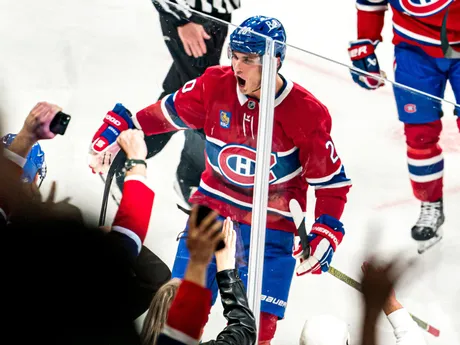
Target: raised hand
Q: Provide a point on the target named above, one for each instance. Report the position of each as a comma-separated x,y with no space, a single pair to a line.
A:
193,38
225,258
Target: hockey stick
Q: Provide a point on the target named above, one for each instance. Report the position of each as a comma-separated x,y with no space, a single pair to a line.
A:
299,220
111,193
357,286
448,51
116,166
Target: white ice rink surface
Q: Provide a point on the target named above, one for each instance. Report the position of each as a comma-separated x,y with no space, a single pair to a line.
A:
87,55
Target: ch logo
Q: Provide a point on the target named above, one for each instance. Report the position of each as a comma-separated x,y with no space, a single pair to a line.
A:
424,8
237,163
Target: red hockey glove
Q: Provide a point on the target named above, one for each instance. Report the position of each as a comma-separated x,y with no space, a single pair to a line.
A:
104,145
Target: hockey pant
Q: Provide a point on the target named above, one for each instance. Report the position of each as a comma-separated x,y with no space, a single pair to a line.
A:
421,114
278,271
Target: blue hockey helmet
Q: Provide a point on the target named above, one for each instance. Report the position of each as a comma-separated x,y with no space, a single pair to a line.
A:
35,166
241,39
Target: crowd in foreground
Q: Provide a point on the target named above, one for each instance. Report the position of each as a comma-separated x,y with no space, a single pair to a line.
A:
67,283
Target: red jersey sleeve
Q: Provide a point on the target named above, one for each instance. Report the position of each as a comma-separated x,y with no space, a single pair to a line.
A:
371,15
181,110
322,167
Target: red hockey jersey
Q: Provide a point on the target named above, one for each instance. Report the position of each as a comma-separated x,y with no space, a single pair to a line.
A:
302,150
417,22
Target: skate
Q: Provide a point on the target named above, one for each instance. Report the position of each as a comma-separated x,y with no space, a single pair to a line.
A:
427,231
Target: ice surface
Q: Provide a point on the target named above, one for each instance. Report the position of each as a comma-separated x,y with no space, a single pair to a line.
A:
87,55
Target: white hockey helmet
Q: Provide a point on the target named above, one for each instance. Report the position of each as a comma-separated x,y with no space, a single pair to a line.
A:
325,330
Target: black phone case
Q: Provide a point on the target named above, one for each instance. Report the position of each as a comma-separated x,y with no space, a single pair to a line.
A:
203,212
59,123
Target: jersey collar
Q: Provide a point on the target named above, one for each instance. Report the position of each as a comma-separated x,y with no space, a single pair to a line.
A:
280,96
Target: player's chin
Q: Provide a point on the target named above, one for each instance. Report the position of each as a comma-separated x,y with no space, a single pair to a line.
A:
243,89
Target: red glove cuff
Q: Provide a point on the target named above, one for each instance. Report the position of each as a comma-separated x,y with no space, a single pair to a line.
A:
359,52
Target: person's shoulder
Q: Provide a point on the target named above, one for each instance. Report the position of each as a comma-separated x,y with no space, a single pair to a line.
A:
217,78
306,96
305,102
218,72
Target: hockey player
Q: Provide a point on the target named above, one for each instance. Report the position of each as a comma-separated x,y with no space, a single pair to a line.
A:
224,101
195,43
420,64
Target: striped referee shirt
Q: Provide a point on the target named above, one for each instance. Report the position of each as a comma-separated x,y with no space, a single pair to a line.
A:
180,14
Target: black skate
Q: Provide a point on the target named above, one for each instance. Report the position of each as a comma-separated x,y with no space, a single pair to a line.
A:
427,231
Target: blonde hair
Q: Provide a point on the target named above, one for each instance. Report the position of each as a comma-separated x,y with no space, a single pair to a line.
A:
158,312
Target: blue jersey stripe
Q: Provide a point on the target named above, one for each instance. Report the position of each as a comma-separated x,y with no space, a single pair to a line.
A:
340,177
425,43
171,108
372,3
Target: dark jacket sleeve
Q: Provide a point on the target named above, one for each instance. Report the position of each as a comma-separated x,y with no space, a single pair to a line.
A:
150,274
176,15
241,327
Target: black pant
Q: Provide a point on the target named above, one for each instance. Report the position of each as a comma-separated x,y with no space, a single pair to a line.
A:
183,69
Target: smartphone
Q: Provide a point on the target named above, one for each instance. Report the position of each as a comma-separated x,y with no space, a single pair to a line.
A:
59,123
203,212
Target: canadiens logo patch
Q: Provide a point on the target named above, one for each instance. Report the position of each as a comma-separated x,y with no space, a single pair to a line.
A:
237,163
424,8
410,108
225,118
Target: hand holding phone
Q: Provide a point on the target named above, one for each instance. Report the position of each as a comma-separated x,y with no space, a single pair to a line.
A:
203,211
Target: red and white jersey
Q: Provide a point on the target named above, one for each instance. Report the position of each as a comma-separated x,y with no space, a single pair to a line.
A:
302,149
417,22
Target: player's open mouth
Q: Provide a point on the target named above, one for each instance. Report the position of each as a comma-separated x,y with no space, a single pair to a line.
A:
241,81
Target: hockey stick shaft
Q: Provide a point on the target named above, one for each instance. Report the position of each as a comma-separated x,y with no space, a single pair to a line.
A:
115,167
111,193
357,286
448,51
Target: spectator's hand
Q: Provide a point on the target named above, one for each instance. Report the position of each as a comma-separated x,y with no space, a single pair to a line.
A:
378,283
36,127
225,258
202,240
391,304
371,273
132,142
192,36
37,124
